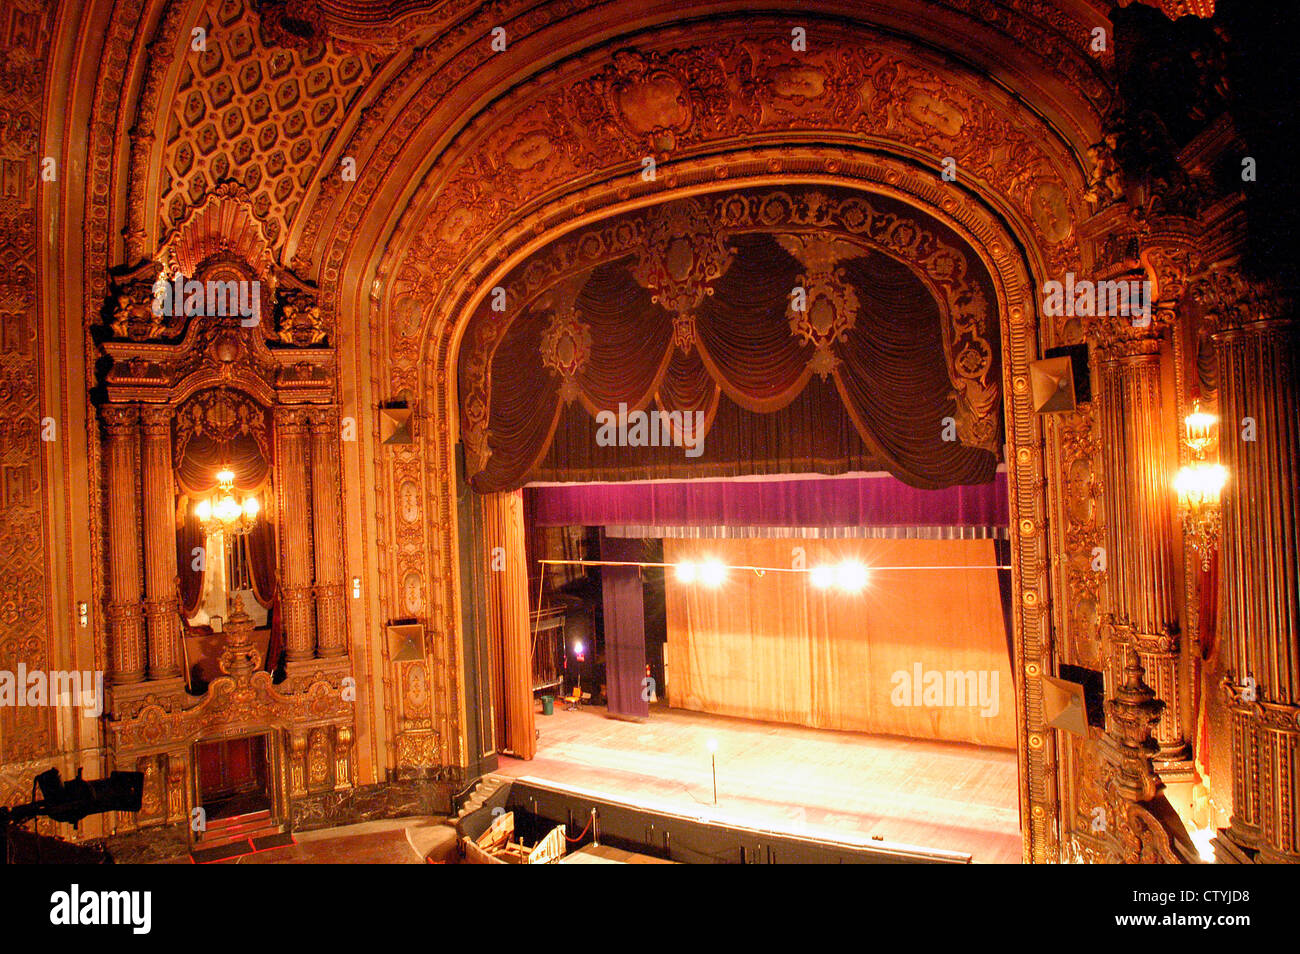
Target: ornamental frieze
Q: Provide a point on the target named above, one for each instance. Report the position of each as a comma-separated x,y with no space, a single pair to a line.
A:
715,92
230,705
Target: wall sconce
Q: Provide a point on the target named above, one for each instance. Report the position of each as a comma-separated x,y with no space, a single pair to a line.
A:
356,587
83,614
1199,485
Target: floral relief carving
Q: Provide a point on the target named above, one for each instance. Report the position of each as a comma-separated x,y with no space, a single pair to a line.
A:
681,256
566,348
824,307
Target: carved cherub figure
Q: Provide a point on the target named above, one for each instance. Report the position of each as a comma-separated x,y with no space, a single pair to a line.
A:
1106,183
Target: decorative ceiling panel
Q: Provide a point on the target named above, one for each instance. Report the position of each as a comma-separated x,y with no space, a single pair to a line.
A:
254,114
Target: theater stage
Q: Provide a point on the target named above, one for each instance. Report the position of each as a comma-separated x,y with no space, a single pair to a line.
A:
831,785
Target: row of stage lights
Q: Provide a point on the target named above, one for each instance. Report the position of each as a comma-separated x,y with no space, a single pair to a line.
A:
850,575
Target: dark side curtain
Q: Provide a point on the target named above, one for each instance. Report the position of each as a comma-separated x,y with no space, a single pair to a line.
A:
770,402
189,536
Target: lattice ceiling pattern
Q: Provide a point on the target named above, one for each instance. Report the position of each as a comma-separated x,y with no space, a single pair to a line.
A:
254,114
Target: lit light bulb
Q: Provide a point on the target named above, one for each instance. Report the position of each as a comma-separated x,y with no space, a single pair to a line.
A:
204,510
821,577
851,576
227,509
712,573
225,478
686,572
251,508
1200,483
713,745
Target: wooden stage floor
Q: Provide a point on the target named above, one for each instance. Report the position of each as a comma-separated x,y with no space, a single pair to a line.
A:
841,785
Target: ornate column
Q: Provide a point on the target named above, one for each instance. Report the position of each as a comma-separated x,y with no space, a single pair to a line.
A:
161,606
126,642
331,632
291,461
1138,480
1259,444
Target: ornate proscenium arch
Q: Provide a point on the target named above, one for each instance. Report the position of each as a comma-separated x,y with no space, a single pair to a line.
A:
879,119
683,252
438,167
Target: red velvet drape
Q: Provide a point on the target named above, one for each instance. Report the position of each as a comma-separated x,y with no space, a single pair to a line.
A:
197,467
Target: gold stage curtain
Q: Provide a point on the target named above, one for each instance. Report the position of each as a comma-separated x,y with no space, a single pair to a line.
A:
777,649
509,628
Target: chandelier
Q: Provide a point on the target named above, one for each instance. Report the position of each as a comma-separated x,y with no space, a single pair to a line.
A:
227,510
1199,486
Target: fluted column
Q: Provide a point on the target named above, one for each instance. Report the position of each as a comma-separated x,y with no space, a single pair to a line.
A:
161,606
1259,444
327,533
126,639
1138,476
291,462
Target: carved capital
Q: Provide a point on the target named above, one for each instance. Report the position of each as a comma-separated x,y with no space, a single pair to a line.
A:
156,420
120,420
324,419
1229,301
292,418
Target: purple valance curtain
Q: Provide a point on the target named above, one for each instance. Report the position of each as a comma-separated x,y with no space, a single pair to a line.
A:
851,501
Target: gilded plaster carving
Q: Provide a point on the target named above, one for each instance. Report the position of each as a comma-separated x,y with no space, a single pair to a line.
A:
25,564
254,113
684,95
829,306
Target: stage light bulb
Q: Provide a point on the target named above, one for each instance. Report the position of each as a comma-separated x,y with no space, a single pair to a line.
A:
686,572
851,575
821,577
713,573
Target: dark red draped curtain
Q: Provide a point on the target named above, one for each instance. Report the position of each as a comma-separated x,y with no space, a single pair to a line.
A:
189,536
874,500
202,458
770,403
